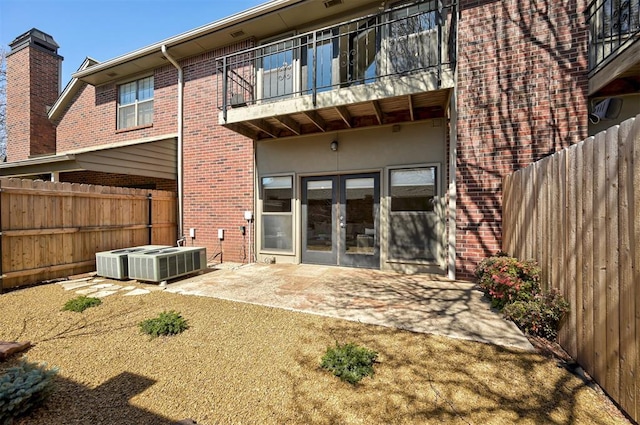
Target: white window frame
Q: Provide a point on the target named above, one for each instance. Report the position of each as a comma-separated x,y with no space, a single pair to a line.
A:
136,103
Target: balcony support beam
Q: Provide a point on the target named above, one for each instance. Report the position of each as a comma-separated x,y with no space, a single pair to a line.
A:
265,127
290,123
243,130
345,115
410,106
317,120
378,111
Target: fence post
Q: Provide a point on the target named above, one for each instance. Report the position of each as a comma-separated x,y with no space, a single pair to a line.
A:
150,218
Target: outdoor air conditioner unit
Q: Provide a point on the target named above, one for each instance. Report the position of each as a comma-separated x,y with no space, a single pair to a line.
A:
168,263
114,264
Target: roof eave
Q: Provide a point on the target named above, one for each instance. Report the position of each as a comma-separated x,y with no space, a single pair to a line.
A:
69,91
218,25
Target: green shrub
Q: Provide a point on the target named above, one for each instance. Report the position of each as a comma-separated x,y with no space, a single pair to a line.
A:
540,316
349,362
23,388
507,279
167,323
81,303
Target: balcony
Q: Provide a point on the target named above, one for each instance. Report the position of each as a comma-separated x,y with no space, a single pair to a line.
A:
390,67
614,46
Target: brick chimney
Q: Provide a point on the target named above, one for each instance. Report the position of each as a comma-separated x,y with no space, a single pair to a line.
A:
33,85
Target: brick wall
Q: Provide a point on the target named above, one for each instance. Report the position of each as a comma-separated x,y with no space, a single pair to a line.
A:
33,80
18,126
218,165
90,119
522,89
118,180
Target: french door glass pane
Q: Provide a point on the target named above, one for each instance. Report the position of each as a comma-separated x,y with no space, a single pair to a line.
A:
360,220
277,74
319,219
324,64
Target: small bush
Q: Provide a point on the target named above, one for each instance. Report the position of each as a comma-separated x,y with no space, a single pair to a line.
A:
349,362
81,303
540,316
23,388
167,323
507,279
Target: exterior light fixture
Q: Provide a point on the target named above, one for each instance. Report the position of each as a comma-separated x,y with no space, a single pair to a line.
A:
334,145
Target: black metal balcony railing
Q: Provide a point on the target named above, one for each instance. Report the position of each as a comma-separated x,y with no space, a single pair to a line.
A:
613,25
412,38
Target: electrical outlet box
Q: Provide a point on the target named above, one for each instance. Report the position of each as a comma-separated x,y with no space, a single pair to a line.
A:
192,233
221,234
248,215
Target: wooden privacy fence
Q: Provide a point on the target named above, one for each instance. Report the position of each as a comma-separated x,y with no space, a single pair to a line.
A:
50,230
577,213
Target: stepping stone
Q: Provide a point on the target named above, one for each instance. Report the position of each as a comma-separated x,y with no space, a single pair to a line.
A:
86,291
138,292
75,285
105,285
9,348
128,288
103,293
97,280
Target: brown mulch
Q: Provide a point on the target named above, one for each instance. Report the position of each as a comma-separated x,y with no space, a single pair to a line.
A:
246,364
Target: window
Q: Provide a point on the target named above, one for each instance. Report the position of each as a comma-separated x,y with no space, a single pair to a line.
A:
277,217
413,189
135,103
414,229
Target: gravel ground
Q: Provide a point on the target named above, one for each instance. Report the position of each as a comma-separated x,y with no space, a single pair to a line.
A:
247,364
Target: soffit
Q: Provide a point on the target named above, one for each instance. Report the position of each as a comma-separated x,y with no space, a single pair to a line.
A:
264,21
155,159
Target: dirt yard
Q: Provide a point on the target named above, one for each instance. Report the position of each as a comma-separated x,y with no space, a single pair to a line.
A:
246,364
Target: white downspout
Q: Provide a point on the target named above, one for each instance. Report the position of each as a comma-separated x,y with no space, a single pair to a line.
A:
180,160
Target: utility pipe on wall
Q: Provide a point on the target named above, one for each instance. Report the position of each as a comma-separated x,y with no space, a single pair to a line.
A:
180,125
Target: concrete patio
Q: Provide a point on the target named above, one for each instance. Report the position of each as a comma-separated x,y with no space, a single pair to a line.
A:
417,303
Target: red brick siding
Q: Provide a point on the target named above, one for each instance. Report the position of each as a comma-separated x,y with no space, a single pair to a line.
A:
90,119
18,127
218,166
118,180
522,94
33,80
